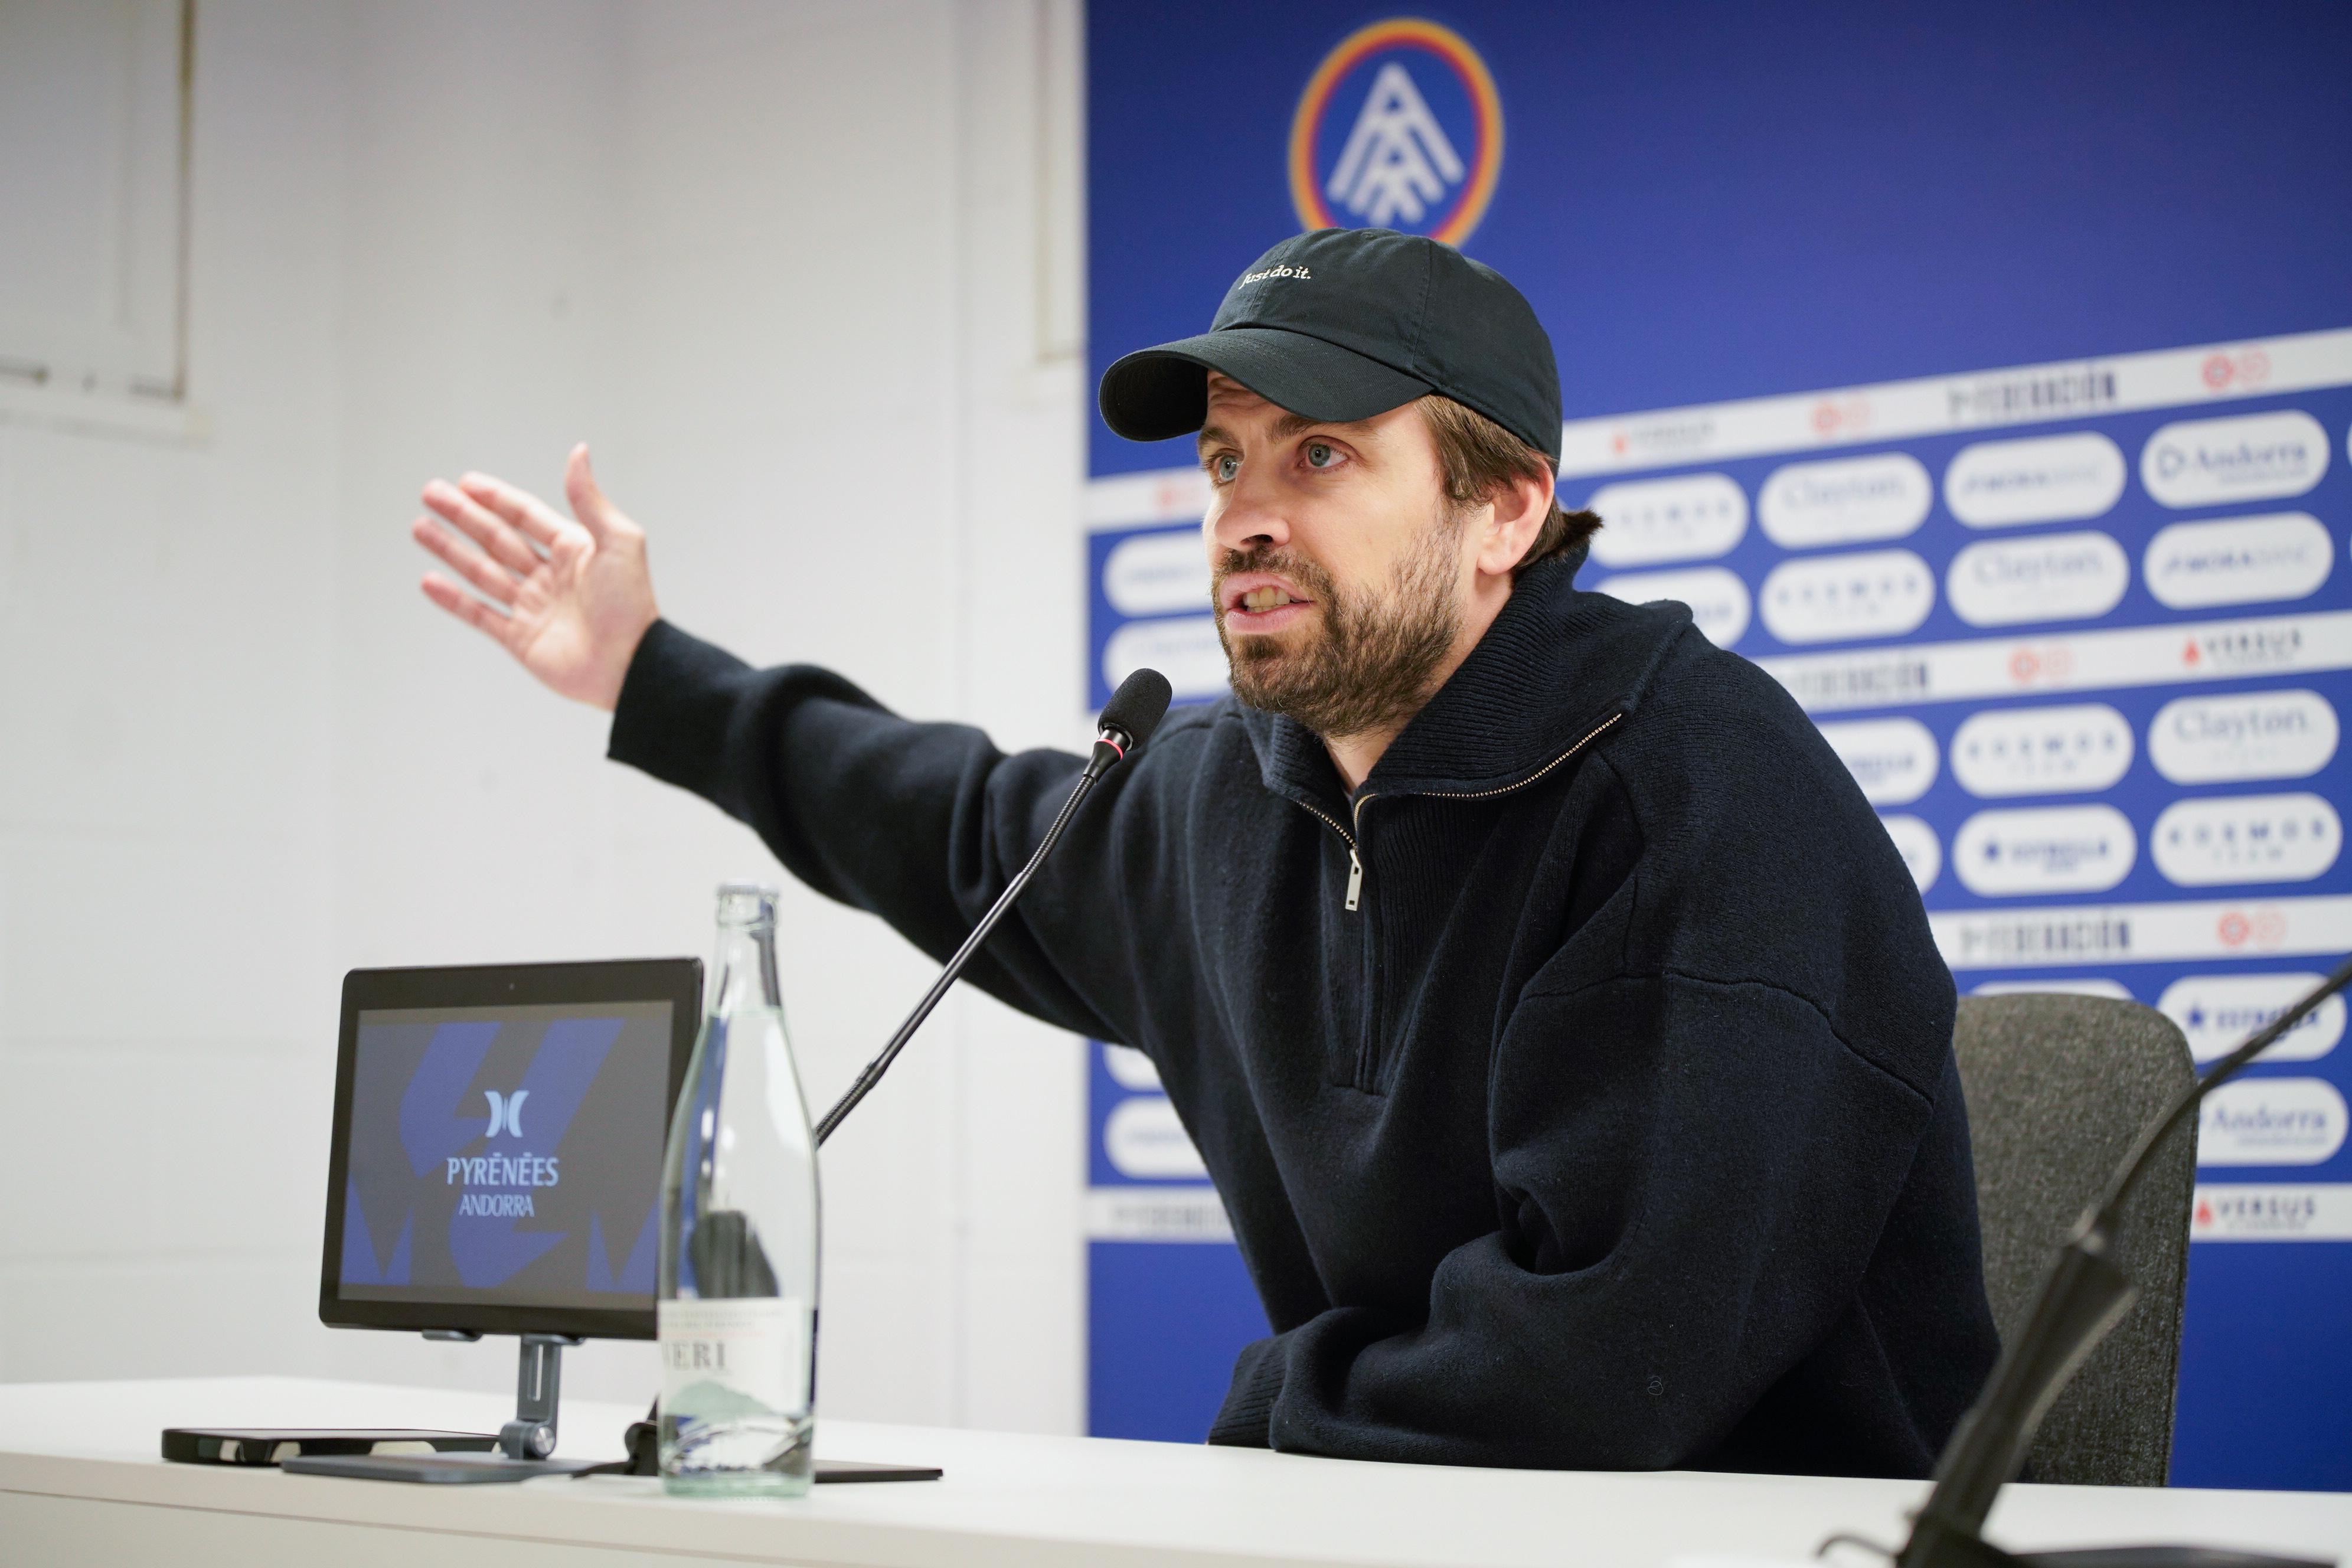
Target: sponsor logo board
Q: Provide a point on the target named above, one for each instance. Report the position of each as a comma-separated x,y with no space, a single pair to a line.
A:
2103,934
2044,850
1844,501
2271,1122
2250,1211
2246,456
1829,598
1145,1140
1159,495
1183,648
1649,522
1128,1068
2075,661
2238,561
1893,760
1716,598
2025,395
2218,1013
2048,577
2066,749
2039,478
1922,851
1156,1213
2221,840
1155,573
2244,735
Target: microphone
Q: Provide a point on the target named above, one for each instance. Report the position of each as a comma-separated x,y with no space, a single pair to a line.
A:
2086,1293
1133,711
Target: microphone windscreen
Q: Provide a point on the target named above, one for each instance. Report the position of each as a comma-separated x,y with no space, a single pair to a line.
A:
1138,706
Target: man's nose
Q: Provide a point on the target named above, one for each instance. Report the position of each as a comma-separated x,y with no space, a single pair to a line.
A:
1251,517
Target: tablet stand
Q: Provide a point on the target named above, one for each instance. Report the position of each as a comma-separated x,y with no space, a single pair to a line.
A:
539,1389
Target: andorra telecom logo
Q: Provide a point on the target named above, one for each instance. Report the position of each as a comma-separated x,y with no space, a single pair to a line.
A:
1401,128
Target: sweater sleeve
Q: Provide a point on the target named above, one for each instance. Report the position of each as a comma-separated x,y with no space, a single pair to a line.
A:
921,824
1691,1176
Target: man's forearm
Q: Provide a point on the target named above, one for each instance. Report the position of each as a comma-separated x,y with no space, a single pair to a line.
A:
920,824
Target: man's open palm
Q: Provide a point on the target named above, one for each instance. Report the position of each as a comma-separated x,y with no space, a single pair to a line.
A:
570,599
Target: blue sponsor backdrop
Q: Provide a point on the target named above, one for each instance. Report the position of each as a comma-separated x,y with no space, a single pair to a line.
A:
1800,205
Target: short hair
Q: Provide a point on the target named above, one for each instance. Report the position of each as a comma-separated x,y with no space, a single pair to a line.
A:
1477,457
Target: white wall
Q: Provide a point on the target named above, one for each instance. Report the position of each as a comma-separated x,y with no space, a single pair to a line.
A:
783,266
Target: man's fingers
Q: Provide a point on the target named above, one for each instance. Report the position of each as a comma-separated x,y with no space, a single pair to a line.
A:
499,629
464,513
471,564
589,504
518,507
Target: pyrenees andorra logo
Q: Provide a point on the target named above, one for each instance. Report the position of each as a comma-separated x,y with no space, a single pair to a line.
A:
1401,128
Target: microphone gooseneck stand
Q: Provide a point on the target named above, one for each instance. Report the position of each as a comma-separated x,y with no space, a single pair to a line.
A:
1128,720
2083,1296
1134,710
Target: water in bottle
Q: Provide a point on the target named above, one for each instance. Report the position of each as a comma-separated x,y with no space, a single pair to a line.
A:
737,1295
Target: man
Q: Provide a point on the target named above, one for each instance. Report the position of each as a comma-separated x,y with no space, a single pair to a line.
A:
1562,1032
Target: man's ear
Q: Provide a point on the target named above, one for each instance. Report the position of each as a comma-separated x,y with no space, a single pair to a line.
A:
1515,515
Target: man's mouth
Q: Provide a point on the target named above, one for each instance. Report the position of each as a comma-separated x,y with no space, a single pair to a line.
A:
1261,602
1249,593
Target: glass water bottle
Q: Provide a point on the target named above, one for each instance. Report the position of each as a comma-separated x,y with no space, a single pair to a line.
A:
737,1304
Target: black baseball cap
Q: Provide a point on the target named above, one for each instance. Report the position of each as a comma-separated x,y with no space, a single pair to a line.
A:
1344,324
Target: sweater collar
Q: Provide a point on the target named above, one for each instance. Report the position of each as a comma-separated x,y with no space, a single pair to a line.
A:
1556,663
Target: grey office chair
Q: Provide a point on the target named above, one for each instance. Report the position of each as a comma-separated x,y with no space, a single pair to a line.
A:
2058,1087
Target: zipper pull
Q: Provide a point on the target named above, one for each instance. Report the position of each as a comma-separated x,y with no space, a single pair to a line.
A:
1355,877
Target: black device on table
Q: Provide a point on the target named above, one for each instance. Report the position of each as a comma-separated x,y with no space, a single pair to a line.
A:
495,1169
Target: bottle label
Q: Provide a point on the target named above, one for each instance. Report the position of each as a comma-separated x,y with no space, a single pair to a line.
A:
734,1355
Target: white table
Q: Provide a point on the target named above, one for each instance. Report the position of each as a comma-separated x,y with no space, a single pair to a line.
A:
80,1483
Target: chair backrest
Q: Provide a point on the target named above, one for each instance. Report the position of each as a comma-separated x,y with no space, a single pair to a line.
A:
2058,1086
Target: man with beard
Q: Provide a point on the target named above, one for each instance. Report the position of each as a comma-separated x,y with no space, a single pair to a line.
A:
1560,1028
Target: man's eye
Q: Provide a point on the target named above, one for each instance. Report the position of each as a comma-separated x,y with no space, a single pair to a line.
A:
1223,467
1321,455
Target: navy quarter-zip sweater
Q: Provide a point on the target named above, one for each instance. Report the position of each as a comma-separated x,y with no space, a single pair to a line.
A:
1580,1088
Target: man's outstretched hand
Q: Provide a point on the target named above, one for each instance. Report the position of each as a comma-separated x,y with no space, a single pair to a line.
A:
570,600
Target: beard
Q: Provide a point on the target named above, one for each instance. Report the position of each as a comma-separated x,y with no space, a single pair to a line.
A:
1369,661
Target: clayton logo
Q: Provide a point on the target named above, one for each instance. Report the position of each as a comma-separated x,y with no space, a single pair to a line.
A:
2042,479
1423,143
2066,750
2271,1122
1845,501
1873,593
1651,520
2251,457
2044,850
505,1111
2245,735
1717,599
2051,577
2221,840
2239,561
1893,760
2217,1012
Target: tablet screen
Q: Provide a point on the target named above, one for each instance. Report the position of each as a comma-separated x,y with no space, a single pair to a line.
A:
502,1156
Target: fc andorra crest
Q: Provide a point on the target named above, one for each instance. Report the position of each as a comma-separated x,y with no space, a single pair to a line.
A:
1401,128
